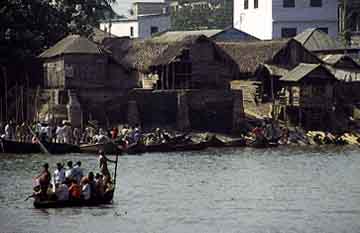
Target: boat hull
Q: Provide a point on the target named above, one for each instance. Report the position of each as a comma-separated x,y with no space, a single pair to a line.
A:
107,148
41,204
14,147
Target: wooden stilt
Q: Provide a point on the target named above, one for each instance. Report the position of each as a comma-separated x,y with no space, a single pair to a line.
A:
168,77
173,75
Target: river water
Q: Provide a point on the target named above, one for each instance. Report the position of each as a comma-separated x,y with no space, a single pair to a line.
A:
233,190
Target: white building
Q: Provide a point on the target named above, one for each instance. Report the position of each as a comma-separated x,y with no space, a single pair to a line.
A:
272,19
141,26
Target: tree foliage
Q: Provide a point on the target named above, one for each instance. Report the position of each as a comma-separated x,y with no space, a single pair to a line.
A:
29,26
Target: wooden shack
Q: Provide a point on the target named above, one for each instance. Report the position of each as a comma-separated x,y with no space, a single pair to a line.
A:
268,61
195,62
308,96
80,73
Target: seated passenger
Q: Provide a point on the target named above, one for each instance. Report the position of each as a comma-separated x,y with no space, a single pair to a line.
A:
85,190
77,172
62,191
92,185
74,190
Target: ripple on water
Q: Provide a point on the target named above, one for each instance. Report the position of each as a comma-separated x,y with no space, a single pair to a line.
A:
295,189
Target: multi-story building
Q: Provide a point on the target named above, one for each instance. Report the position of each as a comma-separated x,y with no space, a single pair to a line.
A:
146,19
272,19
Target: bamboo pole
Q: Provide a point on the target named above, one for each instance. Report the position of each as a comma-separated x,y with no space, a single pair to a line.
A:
5,90
173,75
27,96
16,103
22,103
1,109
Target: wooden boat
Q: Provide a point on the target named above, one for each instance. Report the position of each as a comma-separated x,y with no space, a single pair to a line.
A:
262,144
41,204
108,148
164,147
61,148
14,147
217,143
107,199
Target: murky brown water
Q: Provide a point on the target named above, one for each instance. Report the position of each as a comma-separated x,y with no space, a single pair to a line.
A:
232,190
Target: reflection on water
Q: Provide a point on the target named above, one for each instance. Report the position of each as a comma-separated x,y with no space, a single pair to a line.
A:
232,190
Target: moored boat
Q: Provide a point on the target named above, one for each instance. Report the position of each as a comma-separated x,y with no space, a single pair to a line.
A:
164,147
14,147
107,147
61,148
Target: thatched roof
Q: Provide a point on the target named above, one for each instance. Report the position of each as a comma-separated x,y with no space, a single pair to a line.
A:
72,44
142,54
248,55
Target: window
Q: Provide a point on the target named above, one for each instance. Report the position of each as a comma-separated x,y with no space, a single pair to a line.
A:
326,30
316,3
154,30
288,3
131,31
246,4
288,32
256,3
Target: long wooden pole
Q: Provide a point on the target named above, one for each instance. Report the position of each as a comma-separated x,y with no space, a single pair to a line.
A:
116,163
43,148
6,94
27,98
16,104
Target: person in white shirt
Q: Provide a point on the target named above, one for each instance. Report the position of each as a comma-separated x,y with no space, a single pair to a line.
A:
62,192
86,191
59,175
69,173
67,133
60,134
78,172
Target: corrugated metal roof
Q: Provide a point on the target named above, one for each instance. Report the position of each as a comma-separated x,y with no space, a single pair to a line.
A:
316,40
175,36
344,75
340,61
276,70
72,44
299,72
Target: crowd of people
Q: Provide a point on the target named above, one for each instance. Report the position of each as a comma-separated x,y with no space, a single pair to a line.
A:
66,133
70,183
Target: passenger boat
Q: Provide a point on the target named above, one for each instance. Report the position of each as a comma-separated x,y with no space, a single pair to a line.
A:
164,147
262,144
15,147
61,148
41,204
107,199
108,148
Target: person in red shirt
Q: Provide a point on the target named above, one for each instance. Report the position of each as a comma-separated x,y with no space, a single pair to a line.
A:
114,133
74,190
